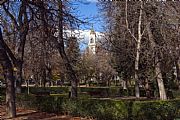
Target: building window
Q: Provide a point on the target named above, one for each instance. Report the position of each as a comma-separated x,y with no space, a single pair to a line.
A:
91,40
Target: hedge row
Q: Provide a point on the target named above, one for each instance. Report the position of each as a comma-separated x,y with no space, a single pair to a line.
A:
103,91
102,109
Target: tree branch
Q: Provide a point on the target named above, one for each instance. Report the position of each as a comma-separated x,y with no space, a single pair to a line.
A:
11,16
3,1
127,24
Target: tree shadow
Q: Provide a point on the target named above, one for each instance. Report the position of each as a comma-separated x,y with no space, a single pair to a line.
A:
35,115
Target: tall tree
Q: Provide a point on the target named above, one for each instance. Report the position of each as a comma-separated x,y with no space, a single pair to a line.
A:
8,75
154,28
138,44
21,24
60,45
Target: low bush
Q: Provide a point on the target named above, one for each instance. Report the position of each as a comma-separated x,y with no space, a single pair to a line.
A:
51,90
101,91
104,109
2,91
2,99
155,110
95,91
26,101
176,93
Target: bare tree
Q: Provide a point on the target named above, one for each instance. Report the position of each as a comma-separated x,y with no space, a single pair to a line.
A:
60,42
8,75
21,23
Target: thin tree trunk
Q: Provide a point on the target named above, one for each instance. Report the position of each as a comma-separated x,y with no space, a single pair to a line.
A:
162,92
20,58
138,53
138,40
178,69
18,78
177,63
22,25
8,75
71,74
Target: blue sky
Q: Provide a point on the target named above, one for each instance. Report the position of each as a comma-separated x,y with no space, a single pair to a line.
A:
88,11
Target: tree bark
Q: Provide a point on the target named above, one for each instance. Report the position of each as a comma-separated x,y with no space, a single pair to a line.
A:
22,25
8,75
138,52
138,45
71,73
162,92
23,31
178,69
177,63
3,1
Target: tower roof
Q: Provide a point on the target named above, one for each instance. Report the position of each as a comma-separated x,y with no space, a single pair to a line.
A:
92,30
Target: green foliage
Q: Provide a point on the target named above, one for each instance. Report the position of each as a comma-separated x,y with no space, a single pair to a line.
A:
154,110
56,77
104,109
51,90
102,91
2,91
176,94
26,101
2,99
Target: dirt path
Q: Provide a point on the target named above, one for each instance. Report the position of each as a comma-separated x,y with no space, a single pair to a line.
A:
23,114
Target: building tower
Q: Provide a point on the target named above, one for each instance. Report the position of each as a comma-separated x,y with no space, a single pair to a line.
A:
92,41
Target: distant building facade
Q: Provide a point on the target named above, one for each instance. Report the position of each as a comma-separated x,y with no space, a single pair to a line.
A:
92,44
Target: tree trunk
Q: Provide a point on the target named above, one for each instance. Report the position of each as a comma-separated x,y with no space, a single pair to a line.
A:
177,63
71,74
178,69
23,34
18,78
22,25
138,45
8,75
20,58
137,91
162,92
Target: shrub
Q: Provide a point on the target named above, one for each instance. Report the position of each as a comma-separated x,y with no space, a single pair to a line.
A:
2,91
2,99
176,94
105,109
26,101
154,110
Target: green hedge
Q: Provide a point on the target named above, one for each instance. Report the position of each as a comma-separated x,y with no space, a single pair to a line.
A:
113,91
176,94
103,109
2,99
2,91
156,110
52,90
103,91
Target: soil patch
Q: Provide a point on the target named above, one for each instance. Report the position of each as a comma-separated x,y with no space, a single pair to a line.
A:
24,114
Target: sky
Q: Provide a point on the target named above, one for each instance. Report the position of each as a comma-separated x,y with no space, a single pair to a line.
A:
88,11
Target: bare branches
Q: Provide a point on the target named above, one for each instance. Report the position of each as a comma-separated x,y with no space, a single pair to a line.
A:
127,23
11,16
3,1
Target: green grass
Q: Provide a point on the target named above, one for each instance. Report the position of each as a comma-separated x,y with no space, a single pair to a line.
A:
176,94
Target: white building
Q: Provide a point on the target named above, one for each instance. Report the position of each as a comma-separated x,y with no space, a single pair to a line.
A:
92,42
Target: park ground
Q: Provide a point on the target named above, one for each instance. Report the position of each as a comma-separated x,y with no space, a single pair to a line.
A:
27,114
